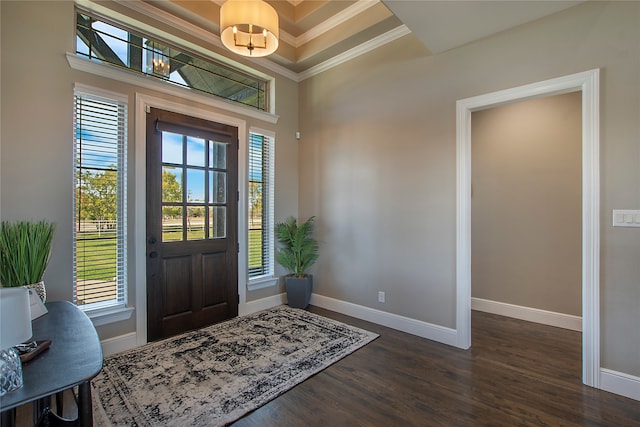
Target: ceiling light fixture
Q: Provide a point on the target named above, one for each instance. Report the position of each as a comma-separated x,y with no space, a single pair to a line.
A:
249,27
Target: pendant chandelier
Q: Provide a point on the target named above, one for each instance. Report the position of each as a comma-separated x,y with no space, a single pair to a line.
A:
249,27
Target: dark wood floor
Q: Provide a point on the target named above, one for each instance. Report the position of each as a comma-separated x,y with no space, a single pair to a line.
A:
515,374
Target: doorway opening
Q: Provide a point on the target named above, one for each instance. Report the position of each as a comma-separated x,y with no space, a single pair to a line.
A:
588,84
526,210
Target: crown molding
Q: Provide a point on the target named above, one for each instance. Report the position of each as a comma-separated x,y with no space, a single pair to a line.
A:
365,47
339,18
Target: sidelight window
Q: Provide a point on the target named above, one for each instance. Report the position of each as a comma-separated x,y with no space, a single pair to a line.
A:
100,200
260,206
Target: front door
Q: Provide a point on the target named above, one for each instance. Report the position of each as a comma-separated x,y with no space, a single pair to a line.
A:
192,238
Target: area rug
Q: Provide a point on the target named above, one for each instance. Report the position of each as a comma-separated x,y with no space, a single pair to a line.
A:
215,375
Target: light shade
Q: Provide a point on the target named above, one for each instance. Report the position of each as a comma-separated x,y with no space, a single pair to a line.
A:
15,327
15,317
249,27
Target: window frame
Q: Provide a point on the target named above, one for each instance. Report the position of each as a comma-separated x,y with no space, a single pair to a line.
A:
158,37
268,278
107,312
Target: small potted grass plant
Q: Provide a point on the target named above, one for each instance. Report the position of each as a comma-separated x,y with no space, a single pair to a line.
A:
25,248
298,253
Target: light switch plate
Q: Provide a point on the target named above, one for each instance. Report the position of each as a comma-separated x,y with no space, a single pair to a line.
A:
626,218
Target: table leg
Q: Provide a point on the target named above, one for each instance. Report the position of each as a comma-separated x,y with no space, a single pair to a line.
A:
8,418
41,408
85,407
60,403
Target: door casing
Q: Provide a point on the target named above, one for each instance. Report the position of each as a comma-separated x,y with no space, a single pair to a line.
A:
138,274
588,83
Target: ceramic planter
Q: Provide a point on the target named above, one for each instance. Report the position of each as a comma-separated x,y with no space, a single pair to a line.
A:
40,290
298,290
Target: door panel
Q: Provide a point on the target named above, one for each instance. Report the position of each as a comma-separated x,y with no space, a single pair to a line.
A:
213,274
192,242
176,276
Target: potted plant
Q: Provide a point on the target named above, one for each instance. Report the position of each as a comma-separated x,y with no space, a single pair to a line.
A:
298,253
25,248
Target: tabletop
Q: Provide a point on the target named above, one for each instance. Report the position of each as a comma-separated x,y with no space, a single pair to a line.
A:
74,357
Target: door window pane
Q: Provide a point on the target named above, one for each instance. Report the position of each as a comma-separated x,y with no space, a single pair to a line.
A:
171,223
195,186
171,184
217,222
171,148
195,223
217,187
218,155
195,151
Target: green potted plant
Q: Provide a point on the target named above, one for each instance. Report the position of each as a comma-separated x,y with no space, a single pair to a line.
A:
25,248
298,253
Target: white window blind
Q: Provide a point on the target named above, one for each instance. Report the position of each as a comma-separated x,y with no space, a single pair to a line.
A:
100,210
260,206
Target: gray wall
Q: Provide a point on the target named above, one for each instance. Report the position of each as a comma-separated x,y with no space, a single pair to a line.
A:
378,162
526,206
37,140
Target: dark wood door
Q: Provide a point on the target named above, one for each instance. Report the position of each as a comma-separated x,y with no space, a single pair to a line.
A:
192,209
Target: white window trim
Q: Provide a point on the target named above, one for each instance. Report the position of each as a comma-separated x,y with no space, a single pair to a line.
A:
270,279
130,77
103,315
82,89
262,282
107,315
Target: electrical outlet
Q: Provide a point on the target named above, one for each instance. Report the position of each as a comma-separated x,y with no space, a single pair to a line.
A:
380,296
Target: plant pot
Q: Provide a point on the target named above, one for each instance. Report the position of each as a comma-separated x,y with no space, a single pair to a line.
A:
40,290
298,291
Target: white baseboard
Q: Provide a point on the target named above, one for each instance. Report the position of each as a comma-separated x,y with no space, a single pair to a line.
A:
262,304
536,315
620,383
117,344
394,321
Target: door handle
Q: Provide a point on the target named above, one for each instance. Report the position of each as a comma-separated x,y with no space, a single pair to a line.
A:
153,254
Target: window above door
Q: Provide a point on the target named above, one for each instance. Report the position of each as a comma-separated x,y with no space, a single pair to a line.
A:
107,42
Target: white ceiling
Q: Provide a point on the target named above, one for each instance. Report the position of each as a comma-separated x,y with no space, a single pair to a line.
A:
444,25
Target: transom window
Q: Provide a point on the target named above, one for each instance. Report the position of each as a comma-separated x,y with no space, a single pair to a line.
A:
101,41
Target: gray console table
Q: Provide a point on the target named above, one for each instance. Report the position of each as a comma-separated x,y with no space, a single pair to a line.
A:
73,359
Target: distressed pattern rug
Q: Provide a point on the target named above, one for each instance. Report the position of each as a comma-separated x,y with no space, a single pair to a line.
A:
215,375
